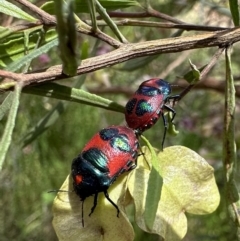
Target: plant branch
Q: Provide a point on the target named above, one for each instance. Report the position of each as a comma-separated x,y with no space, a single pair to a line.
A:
153,13
204,72
46,18
10,75
206,84
149,12
138,23
131,51
49,20
128,15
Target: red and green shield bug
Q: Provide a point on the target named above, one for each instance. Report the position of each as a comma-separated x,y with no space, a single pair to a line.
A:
148,104
110,152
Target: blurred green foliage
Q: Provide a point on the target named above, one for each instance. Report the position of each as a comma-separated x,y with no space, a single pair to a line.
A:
29,173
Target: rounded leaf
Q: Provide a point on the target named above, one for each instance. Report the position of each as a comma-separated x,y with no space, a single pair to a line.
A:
103,224
188,186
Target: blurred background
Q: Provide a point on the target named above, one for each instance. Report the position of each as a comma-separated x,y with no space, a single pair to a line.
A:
33,167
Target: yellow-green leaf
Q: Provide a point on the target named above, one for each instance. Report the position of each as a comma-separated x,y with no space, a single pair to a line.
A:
103,224
188,186
12,10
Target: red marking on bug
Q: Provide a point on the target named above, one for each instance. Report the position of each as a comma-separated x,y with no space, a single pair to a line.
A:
78,179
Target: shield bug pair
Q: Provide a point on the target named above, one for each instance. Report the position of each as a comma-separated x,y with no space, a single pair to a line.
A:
110,152
147,105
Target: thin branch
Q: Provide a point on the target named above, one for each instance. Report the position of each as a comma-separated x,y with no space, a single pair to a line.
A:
153,13
210,84
203,73
49,20
206,84
149,12
138,23
128,15
46,18
131,51
10,75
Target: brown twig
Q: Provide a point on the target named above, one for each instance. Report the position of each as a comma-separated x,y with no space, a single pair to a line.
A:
45,18
128,15
206,84
153,13
210,84
149,12
130,51
10,75
138,23
49,20
126,51
204,72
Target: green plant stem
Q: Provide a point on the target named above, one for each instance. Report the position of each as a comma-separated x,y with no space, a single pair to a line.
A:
229,150
92,10
102,11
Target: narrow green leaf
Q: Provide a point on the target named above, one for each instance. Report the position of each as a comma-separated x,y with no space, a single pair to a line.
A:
81,6
154,160
4,32
75,95
234,8
12,48
155,182
103,13
229,146
67,36
11,33
7,134
92,11
14,66
5,106
14,11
